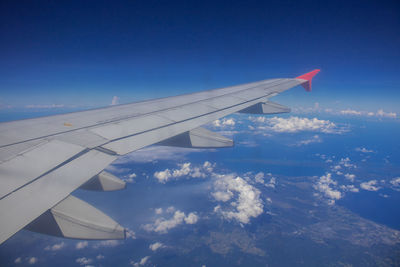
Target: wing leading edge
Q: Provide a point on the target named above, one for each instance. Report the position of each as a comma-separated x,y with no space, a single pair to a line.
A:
43,160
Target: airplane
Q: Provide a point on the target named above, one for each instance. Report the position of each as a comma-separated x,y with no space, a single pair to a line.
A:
43,160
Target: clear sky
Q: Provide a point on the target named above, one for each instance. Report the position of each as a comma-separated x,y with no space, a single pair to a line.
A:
85,52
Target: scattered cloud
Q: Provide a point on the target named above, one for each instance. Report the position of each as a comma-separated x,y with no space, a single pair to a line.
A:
222,196
100,257
107,243
142,262
55,247
162,225
130,178
346,162
350,112
260,178
395,182
32,260
364,150
314,139
297,124
350,188
130,234
370,186
381,113
185,170
324,185
156,246
18,260
158,210
192,218
248,203
81,245
224,122
83,261
115,101
350,177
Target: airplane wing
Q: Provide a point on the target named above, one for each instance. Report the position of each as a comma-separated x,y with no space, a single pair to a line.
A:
43,160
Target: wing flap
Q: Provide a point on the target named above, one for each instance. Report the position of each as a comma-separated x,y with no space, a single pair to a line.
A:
104,181
74,218
198,138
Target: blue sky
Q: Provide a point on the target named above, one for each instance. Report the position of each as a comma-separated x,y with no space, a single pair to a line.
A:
84,53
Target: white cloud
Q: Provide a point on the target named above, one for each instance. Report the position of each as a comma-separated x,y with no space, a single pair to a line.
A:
208,166
142,262
163,176
115,100
32,260
395,181
224,122
171,209
192,218
156,246
81,245
370,186
271,183
185,170
314,139
100,257
162,225
324,186
106,243
130,178
83,261
158,211
346,162
364,150
18,260
297,124
347,112
130,234
381,113
350,177
351,112
55,247
248,203
350,188
222,196
259,177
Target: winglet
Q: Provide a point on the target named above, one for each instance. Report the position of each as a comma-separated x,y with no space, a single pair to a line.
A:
308,77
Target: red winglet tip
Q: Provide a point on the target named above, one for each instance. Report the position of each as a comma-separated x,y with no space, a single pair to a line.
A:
308,77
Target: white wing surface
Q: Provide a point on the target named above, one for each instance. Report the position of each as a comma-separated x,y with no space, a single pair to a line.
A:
43,160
